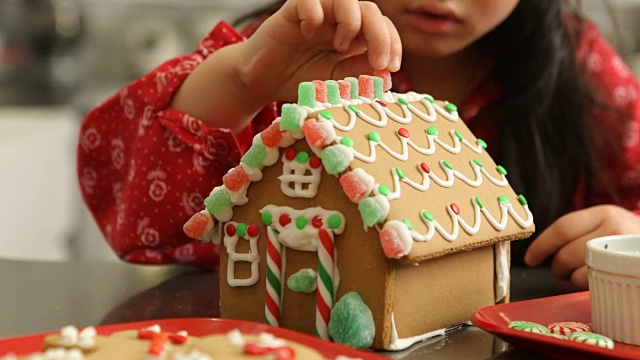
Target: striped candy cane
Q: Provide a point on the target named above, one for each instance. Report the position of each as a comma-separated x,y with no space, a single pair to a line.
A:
325,292
274,276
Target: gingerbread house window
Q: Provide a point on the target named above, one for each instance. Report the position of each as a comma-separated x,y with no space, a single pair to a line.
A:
234,232
300,174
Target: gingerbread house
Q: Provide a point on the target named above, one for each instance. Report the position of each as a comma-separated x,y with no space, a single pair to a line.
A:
371,218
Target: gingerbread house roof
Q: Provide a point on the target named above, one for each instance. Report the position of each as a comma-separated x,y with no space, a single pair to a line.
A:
416,172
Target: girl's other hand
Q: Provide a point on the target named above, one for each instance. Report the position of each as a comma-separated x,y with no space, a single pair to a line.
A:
317,40
567,238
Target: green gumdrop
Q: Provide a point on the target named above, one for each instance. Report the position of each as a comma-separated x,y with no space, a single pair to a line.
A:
290,118
307,94
303,281
333,160
333,92
351,322
378,87
355,93
370,211
217,201
255,155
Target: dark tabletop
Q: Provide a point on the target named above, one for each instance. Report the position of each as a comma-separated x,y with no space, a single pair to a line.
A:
40,297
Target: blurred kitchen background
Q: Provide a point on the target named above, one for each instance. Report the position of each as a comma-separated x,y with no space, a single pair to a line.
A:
58,58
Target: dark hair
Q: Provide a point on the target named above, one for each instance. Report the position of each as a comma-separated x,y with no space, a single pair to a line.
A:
546,139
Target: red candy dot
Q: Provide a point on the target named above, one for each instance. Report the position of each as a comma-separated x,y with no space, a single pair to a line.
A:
290,154
252,230
284,220
455,208
231,230
403,132
381,103
315,162
425,167
316,222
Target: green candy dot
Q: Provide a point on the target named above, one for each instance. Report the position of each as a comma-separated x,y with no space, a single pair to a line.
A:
334,222
374,136
346,141
241,229
408,223
384,190
301,222
354,109
447,164
451,107
478,162
432,130
522,200
267,218
429,98
302,157
427,215
326,114
458,135
503,199
501,170
400,173
403,101
479,202
481,143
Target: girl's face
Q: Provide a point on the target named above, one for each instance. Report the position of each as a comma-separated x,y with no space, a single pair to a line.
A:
438,28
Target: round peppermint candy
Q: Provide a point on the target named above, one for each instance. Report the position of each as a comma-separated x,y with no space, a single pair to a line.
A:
529,327
568,327
592,339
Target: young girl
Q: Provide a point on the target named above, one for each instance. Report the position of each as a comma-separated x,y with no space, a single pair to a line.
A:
552,99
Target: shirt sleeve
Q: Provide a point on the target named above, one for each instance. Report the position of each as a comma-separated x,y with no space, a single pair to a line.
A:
144,168
618,119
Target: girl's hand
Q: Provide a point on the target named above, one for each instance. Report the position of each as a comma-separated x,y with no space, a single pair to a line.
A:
567,238
317,40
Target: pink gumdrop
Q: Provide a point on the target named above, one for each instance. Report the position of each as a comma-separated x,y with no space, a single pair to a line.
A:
392,245
345,89
321,91
386,77
365,86
271,136
196,225
355,189
314,133
235,178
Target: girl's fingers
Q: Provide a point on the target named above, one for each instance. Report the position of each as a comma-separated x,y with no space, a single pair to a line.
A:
580,278
570,257
378,37
349,22
308,13
396,46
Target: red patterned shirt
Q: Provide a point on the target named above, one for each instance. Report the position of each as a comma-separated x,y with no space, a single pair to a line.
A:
145,168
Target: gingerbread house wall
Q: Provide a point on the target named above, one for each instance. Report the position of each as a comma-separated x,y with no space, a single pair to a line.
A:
362,266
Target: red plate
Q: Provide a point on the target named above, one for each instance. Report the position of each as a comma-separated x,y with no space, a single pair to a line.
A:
571,307
198,327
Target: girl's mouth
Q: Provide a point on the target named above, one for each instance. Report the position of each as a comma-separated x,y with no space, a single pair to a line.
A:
434,20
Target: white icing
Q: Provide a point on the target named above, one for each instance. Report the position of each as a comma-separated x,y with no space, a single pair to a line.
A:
254,174
56,354
328,128
271,153
70,336
305,239
501,269
269,340
403,233
236,338
253,257
191,355
295,182
401,344
154,328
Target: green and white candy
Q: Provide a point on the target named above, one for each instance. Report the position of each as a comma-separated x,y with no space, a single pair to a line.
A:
529,327
592,339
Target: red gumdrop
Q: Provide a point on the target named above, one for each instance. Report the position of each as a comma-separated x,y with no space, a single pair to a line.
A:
355,189
314,133
235,178
345,89
321,91
252,230
386,77
272,135
365,86
196,225
391,243
284,220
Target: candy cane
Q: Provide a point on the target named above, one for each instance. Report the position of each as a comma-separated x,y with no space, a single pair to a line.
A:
325,292
274,282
